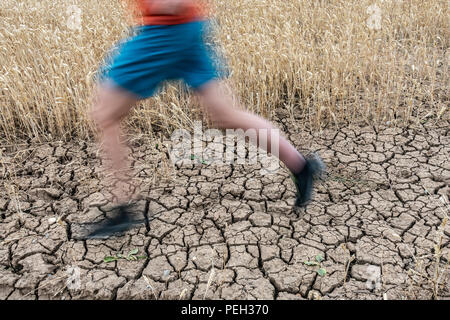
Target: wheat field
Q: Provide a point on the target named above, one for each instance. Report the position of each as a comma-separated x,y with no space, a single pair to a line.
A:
330,61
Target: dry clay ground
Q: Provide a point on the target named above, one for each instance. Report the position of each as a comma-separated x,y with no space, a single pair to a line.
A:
226,232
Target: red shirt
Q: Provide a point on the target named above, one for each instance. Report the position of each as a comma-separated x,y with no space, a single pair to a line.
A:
193,11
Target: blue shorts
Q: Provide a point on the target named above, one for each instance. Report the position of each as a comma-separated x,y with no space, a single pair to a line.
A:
156,53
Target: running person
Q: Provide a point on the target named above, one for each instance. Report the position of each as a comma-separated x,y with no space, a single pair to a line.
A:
169,45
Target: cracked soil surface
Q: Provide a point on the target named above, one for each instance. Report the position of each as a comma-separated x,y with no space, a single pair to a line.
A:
375,220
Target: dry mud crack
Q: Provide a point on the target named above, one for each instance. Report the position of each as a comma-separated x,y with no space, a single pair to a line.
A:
375,220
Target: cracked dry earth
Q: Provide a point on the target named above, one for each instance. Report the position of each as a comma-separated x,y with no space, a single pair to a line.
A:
371,220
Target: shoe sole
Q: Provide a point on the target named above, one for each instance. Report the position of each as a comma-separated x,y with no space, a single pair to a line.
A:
111,230
318,166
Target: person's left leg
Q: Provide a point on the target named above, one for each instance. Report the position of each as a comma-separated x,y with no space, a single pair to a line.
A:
225,115
201,68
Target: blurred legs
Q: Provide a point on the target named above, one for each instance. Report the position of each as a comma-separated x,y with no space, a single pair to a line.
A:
110,106
225,115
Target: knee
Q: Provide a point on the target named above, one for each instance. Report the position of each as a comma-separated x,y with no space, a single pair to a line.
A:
219,105
219,114
95,114
100,112
218,111
100,116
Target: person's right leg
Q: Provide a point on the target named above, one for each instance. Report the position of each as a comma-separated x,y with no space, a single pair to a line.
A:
110,105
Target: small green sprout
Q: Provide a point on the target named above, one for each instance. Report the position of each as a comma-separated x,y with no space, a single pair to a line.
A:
132,256
321,271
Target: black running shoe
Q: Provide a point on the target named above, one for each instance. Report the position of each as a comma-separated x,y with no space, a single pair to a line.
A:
121,221
304,181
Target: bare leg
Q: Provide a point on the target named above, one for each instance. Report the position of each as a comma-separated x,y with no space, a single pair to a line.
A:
225,115
110,106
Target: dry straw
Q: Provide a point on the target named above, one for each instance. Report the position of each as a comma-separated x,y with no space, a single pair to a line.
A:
328,61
